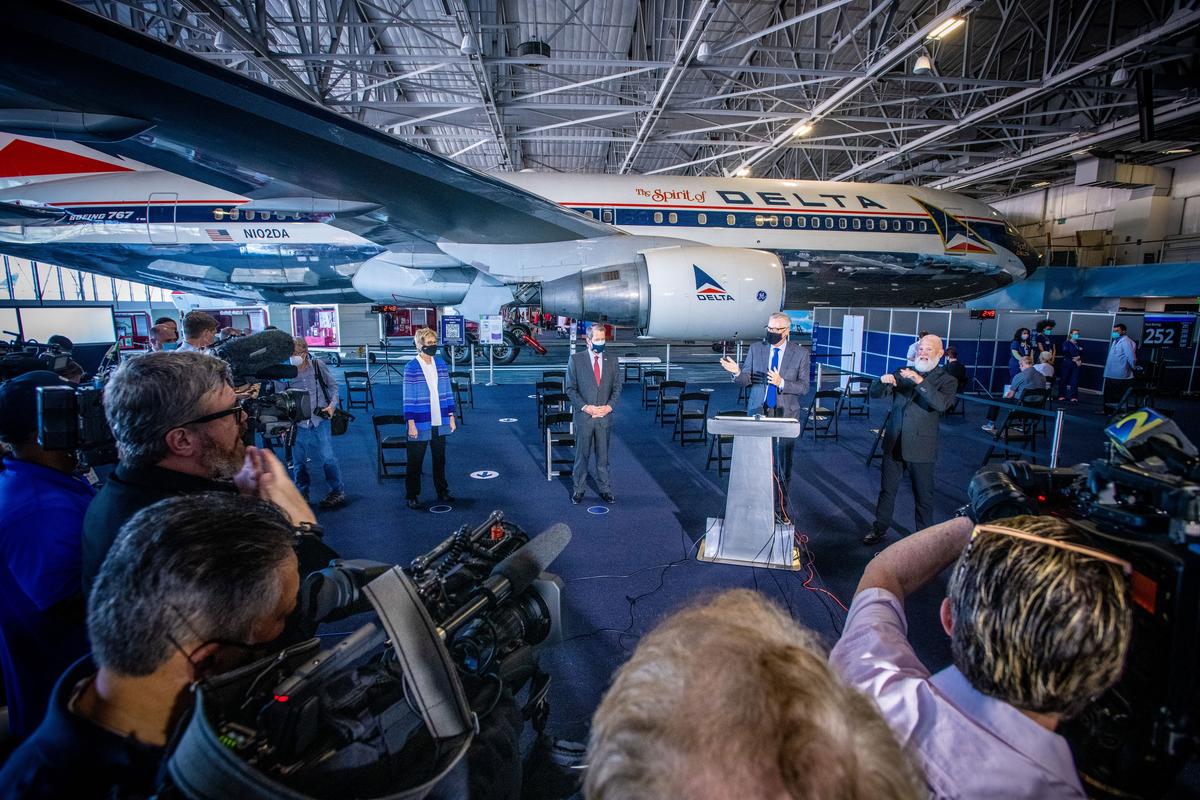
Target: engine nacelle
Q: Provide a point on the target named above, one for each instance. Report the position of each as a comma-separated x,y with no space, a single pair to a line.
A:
393,277
676,293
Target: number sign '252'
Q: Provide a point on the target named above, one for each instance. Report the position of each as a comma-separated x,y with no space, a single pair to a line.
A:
1173,330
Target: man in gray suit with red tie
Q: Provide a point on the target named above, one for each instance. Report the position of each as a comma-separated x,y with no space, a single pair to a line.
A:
776,370
593,386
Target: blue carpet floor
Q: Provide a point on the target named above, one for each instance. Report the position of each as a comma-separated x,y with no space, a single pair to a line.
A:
626,569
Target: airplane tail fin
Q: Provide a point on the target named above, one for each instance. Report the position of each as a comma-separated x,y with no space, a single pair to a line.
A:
37,160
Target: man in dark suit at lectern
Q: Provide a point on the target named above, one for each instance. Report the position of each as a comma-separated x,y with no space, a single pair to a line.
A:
593,384
919,395
776,370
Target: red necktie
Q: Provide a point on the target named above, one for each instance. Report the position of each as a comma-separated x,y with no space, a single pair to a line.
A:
596,368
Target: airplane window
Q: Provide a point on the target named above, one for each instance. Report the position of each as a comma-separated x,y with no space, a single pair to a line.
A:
218,214
908,226
883,225
590,214
702,218
816,223
787,222
758,220
870,224
924,227
801,222
829,222
842,223
672,218
773,221
857,224
279,215
607,216
235,214
658,218
730,219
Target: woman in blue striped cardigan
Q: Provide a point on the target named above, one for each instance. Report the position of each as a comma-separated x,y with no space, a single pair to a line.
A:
429,411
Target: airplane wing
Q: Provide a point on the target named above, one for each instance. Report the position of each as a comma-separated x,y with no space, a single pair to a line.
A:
67,73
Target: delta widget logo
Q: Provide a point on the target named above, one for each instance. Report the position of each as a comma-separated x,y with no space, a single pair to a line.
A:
708,289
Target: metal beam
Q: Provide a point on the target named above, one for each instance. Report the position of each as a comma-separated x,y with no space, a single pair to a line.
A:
483,84
1178,22
856,85
787,23
684,52
1123,128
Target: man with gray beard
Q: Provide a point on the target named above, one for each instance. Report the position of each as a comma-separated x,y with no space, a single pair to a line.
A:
920,395
180,430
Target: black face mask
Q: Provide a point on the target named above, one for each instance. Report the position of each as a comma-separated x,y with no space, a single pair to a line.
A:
774,338
430,349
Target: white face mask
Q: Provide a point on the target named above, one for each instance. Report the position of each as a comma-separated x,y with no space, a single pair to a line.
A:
296,360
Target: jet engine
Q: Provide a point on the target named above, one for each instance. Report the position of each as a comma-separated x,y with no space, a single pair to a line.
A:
676,293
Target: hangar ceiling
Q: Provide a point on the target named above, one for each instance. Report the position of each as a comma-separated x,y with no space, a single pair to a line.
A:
982,96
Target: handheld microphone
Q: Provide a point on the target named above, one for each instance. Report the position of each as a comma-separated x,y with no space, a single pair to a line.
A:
249,355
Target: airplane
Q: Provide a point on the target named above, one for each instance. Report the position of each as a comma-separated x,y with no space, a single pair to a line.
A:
125,156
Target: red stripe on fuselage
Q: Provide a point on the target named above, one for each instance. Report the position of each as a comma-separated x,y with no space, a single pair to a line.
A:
20,158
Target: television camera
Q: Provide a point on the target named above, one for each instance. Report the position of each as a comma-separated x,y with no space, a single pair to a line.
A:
1142,504
19,356
394,706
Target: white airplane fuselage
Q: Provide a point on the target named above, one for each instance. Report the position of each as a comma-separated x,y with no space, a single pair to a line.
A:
839,243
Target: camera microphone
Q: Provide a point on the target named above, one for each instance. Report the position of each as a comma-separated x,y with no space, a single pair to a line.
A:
277,372
250,355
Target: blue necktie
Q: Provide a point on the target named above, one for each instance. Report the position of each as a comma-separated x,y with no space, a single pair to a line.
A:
772,392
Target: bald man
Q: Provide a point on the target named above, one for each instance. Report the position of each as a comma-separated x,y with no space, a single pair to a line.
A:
920,395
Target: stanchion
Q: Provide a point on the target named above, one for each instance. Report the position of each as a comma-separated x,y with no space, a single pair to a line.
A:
1054,443
491,367
668,374
472,363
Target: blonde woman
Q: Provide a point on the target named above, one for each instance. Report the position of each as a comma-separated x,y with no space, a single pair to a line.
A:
429,412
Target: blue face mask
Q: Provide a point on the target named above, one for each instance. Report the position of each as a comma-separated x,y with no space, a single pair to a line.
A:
1048,331
1116,334
597,347
1075,337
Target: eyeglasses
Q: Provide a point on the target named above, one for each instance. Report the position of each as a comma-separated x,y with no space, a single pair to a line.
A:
236,408
1090,552
777,330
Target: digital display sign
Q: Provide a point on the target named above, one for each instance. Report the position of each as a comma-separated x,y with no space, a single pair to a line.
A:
1168,330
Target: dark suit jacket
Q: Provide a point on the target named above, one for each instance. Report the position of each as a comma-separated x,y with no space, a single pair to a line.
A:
581,383
793,367
916,411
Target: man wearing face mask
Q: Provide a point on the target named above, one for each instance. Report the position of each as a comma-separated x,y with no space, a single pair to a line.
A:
919,396
593,386
1118,368
313,450
776,370
1068,381
179,429
192,588
164,337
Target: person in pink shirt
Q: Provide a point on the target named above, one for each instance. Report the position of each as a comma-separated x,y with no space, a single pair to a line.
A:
1039,627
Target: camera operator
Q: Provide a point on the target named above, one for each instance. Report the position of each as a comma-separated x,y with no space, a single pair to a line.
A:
179,429
73,372
1039,626
199,331
314,437
42,504
194,586
772,719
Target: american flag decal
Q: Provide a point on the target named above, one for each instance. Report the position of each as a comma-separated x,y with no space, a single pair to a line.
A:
218,234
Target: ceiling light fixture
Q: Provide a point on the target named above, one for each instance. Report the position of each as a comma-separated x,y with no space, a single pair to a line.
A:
743,172
1177,151
1040,184
946,28
803,129
468,46
923,65
704,53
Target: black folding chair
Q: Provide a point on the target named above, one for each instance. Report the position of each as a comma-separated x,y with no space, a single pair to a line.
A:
387,442
634,368
540,390
823,419
691,422
560,436
857,402
718,442
558,376
650,381
1017,437
553,403
359,393
667,408
461,380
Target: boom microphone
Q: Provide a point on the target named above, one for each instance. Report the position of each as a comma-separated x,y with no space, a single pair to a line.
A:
513,575
250,355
